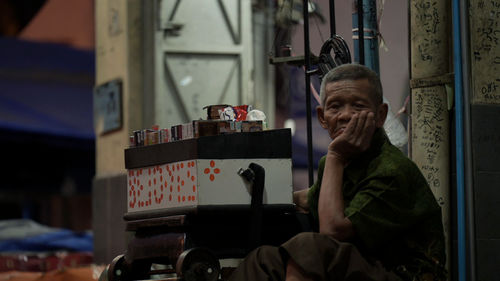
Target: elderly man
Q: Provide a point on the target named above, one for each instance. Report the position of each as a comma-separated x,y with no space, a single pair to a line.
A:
375,215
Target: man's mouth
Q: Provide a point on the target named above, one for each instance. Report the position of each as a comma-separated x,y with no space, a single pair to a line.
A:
338,131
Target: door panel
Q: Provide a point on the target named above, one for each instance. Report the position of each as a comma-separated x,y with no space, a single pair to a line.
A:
203,56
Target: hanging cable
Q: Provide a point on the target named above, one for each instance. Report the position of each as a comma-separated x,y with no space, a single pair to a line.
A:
271,53
319,29
317,25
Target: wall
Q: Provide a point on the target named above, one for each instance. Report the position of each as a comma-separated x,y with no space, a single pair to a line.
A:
118,49
485,122
117,45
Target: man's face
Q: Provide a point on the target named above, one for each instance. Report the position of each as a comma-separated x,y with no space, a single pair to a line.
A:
345,98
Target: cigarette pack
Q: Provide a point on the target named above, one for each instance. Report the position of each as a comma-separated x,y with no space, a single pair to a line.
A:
176,132
213,111
202,128
251,126
187,131
164,135
151,137
228,127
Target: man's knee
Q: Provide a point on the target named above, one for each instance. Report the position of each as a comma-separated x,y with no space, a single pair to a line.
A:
263,263
312,241
268,255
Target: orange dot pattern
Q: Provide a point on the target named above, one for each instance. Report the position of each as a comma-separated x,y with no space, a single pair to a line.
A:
211,172
148,189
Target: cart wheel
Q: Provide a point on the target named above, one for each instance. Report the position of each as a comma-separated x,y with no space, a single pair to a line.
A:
104,274
198,264
116,269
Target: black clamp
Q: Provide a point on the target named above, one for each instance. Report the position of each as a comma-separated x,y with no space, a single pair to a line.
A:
255,174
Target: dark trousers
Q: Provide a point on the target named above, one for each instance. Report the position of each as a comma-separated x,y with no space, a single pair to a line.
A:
320,256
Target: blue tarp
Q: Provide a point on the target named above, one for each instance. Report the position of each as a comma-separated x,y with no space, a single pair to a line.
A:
46,89
53,241
25,235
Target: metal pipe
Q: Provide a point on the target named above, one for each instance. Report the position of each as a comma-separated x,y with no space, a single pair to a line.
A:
361,33
459,137
307,58
469,192
332,19
370,33
366,43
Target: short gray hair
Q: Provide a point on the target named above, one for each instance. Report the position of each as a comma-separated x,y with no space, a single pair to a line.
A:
352,72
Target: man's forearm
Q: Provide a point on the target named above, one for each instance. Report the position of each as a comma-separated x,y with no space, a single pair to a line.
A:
332,220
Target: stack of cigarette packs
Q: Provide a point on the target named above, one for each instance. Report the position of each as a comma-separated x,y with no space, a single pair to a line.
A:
213,126
194,129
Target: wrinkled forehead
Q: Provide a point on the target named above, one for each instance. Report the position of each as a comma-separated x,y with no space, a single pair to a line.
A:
360,88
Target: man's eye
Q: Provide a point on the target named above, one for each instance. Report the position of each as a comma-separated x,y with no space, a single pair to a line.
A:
359,105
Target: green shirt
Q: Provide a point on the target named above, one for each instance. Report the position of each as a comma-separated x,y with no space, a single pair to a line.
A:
394,214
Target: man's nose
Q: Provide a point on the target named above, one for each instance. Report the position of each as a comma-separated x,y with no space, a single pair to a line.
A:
346,113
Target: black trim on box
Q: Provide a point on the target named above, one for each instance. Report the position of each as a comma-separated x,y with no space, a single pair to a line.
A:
175,211
205,209
143,156
265,144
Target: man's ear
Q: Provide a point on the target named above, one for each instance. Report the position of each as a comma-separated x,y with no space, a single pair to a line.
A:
321,116
381,115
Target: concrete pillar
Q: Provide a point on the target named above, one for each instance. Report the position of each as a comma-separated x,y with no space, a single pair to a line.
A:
119,55
430,63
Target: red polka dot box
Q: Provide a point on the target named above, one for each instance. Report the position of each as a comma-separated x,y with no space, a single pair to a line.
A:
175,177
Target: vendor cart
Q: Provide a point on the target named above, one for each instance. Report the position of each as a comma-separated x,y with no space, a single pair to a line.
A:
194,202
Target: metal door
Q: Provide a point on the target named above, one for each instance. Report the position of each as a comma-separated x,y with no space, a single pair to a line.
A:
200,54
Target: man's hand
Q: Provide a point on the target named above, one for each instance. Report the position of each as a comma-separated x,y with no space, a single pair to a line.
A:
347,143
300,200
355,138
